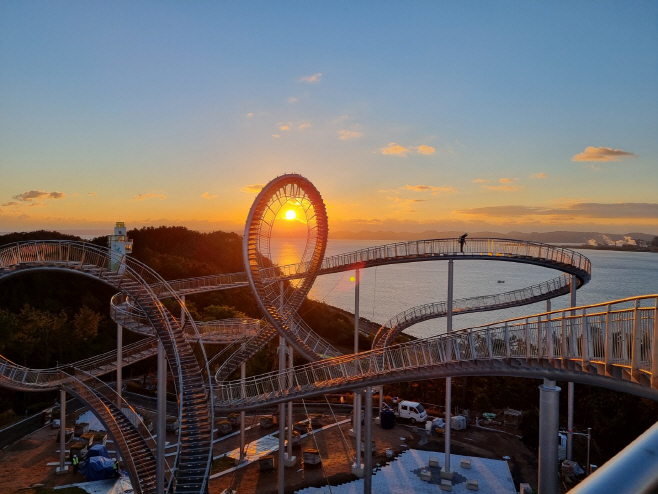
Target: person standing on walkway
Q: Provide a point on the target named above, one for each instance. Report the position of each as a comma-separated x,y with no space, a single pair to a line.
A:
462,241
76,463
116,468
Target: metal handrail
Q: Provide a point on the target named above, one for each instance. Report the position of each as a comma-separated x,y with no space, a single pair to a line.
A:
526,338
122,272
541,291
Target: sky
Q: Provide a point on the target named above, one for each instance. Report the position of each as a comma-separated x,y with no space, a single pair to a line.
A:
407,116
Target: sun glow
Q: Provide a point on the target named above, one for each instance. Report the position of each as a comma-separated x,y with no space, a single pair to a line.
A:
290,214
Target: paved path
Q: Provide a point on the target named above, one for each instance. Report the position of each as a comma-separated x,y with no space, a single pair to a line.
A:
402,476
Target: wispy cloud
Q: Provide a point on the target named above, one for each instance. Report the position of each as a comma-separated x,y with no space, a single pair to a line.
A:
31,195
638,210
208,195
252,188
506,188
395,149
602,154
283,126
480,181
431,188
304,125
292,100
11,203
506,185
311,78
92,193
539,175
152,195
276,136
425,149
346,135
250,114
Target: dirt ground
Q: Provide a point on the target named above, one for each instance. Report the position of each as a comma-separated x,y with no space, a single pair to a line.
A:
337,457
24,463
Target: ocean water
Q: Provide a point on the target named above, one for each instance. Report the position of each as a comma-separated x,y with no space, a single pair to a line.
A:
388,290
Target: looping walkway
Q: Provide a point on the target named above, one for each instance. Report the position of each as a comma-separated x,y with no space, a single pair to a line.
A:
611,345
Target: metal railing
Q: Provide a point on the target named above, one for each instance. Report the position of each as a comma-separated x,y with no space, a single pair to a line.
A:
144,286
542,291
205,283
575,334
417,250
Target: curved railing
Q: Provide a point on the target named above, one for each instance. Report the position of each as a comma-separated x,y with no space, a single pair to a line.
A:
143,285
446,248
202,284
612,344
26,379
221,331
532,294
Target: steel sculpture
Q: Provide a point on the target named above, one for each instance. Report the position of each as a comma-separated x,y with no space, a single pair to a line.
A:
279,299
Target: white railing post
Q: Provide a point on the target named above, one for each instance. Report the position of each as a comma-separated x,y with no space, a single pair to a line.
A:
636,356
489,345
508,350
609,343
654,347
527,340
586,351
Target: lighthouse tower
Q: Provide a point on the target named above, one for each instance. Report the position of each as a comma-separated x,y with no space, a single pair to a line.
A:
119,244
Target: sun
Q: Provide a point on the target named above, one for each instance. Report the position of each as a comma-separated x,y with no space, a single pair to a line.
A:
290,214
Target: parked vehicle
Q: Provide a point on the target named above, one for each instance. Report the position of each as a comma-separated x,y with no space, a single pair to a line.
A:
411,410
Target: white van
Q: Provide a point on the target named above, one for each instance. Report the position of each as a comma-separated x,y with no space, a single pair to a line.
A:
411,410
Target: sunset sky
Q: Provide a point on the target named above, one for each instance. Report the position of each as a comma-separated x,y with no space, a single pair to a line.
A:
407,116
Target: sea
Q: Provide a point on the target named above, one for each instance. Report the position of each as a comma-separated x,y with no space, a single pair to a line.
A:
388,290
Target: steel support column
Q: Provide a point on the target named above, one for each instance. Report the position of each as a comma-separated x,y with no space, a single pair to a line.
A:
570,387
282,414
119,362
290,381
446,467
549,428
161,420
62,431
243,375
356,407
367,450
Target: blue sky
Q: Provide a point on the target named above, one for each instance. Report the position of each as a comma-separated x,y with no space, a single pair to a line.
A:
406,115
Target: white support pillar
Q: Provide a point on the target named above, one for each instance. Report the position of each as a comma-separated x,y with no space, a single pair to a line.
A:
119,363
356,407
282,415
570,386
549,428
243,376
161,420
62,432
446,472
290,459
367,451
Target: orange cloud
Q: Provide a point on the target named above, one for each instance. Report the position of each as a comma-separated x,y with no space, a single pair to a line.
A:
346,135
480,181
292,99
250,114
395,149
506,188
208,195
152,195
30,195
304,125
430,188
539,175
283,126
602,154
311,78
507,180
424,149
252,188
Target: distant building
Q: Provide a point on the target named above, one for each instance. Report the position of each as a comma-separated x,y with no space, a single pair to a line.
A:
120,245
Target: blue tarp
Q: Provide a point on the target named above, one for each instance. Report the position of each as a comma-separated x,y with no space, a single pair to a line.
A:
98,468
98,450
